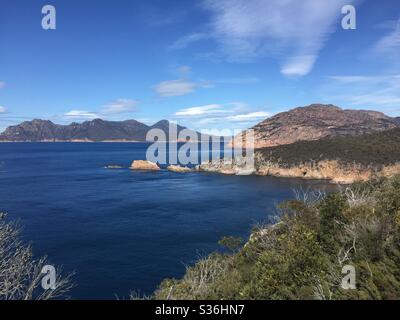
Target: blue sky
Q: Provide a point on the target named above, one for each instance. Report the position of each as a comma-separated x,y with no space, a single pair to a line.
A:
206,64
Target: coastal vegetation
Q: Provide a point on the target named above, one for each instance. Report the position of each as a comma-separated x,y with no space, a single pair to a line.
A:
21,274
302,255
376,149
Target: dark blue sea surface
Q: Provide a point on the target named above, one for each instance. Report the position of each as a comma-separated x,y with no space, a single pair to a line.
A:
121,230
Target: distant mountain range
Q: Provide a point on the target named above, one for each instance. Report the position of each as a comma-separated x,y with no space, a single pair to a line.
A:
316,122
309,123
92,131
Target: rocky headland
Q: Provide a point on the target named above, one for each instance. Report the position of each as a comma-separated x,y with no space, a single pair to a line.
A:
344,159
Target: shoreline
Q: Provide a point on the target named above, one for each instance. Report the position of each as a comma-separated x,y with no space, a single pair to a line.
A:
327,170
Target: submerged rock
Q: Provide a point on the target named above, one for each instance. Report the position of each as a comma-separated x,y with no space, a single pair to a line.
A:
144,165
180,169
236,166
112,166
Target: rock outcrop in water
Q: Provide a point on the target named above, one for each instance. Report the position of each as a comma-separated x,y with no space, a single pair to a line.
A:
237,166
180,169
114,166
144,165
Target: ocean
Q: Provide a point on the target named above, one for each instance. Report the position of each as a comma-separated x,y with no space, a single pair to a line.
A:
122,230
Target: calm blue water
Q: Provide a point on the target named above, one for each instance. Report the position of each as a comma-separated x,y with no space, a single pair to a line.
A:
121,230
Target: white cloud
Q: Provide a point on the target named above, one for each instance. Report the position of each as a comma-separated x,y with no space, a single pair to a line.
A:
119,106
386,50
299,65
376,91
391,80
250,29
246,80
3,109
184,86
391,42
154,16
184,70
174,88
81,115
380,91
2,84
376,79
235,114
252,116
357,79
185,41
206,110
379,98
110,110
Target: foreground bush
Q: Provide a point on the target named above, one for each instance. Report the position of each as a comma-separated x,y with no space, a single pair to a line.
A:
302,256
20,274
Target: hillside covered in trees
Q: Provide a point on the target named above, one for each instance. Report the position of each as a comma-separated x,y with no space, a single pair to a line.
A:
302,256
376,149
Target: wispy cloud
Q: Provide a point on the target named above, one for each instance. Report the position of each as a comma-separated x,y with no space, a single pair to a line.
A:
252,116
2,84
153,16
112,109
386,50
81,115
376,91
184,71
299,65
389,79
356,79
382,98
173,88
186,40
390,43
207,110
245,80
3,109
119,106
184,86
291,30
223,115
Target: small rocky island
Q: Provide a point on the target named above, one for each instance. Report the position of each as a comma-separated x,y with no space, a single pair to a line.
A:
144,165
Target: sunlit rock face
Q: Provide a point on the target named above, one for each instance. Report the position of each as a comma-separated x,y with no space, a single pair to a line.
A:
315,122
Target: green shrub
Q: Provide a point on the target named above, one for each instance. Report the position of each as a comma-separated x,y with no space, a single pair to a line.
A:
302,256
